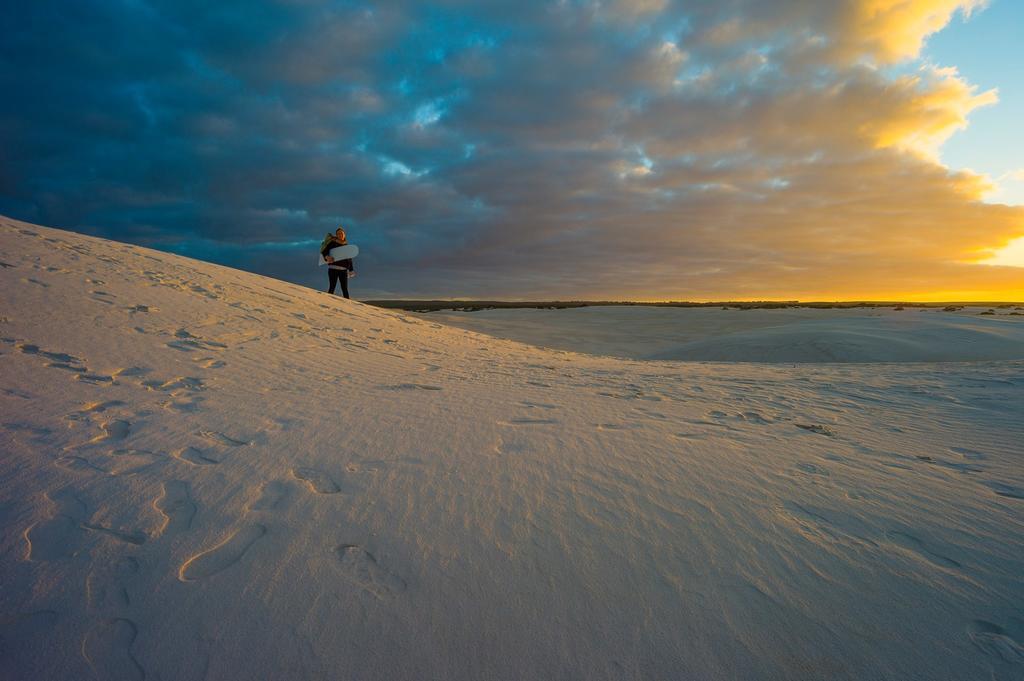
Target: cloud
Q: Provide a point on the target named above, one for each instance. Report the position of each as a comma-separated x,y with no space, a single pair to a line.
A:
622,149
930,107
844,31
892,30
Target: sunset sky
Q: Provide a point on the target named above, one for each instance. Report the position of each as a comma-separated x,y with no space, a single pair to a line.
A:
630,149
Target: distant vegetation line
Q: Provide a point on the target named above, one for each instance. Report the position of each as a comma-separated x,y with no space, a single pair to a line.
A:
477,305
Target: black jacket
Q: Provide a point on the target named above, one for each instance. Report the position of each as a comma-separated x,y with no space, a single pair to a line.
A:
343,264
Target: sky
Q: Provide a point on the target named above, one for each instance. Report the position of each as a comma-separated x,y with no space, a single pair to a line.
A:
987,51
619,149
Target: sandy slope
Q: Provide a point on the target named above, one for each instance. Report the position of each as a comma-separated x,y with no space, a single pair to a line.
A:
209,474
801,335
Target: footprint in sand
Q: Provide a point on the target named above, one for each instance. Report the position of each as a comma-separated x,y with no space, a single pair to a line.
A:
77,464
754,417
193,456
106,586
361,568
96,379
63,357
221,438
14,392
279,424
131,461
54,538
510,446
176,505
108,650
538,405
817,428
34,431
411,386
812,469
103,297
118,429
188,343
131,372
90,408
1004,490
271,494
221,556
190,405
994,641
181,384
529,422
969,454
318,481
66,367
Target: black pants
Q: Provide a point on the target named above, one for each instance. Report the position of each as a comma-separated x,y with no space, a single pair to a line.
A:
336,276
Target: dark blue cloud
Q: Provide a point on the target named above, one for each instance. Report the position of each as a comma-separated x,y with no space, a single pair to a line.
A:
471,148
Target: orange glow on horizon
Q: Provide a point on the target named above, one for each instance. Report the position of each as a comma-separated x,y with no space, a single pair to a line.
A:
948,296
1011,255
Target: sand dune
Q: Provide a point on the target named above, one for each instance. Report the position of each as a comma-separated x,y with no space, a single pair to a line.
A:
207,474
800,335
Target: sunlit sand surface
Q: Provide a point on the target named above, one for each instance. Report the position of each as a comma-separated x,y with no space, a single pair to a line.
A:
207,474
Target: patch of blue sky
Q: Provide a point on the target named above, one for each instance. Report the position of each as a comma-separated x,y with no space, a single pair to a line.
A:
432,111
986,48
394,168
694,74
429,113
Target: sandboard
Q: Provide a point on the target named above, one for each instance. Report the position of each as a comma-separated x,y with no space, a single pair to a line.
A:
341,253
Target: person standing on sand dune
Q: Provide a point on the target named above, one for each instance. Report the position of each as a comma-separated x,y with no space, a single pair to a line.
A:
341,270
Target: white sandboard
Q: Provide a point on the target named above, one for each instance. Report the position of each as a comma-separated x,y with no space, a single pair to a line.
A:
341,253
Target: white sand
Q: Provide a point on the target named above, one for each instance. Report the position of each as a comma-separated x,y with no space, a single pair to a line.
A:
207,474
760,335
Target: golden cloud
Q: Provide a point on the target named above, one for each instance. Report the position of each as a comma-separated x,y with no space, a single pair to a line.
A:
893,30
926,109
